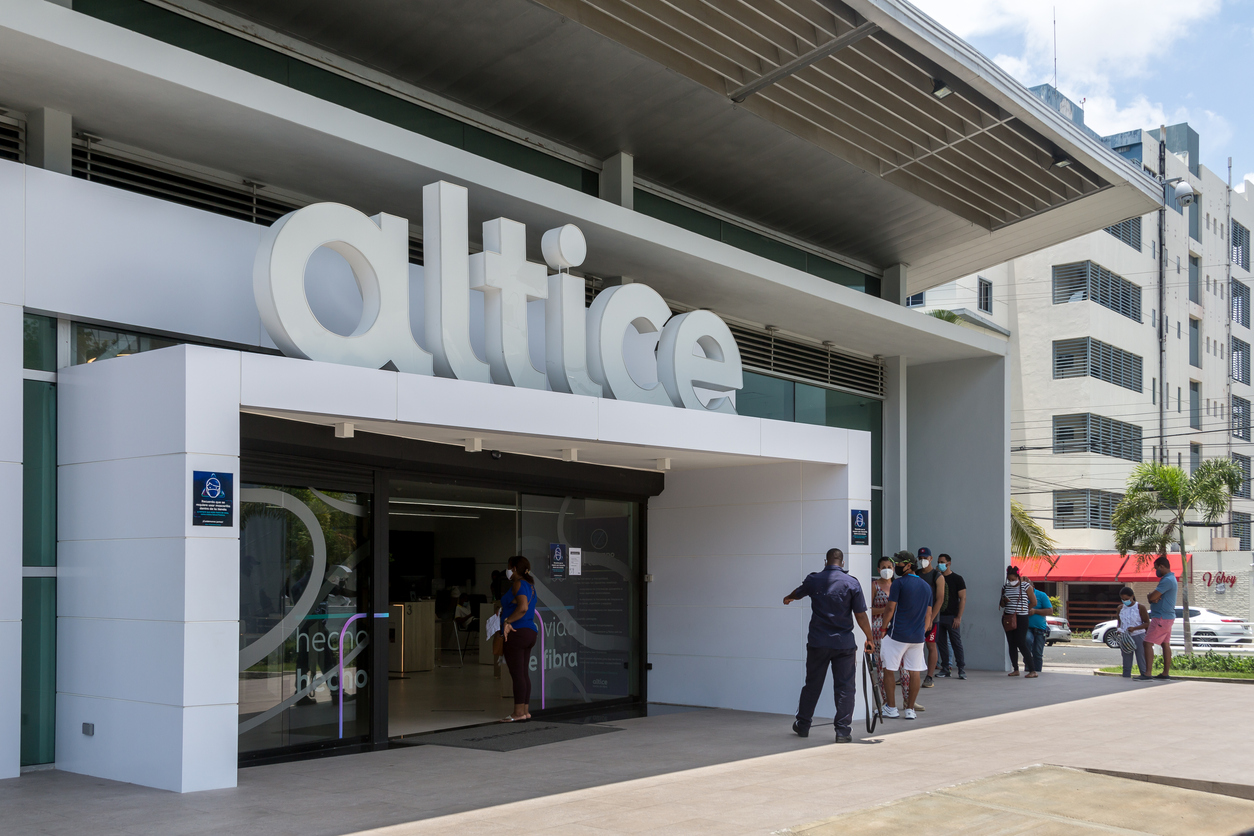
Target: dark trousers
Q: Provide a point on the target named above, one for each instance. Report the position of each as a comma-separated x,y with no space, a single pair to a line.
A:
844,664
1036,643
518,646
947,634
1017,642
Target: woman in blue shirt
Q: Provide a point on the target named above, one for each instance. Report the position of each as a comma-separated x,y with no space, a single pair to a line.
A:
519,626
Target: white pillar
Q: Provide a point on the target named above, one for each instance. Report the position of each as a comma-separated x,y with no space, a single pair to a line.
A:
894,452
148,604
12,282
49,140
618,181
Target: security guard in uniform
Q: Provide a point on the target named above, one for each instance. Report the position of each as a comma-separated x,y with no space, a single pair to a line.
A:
836,600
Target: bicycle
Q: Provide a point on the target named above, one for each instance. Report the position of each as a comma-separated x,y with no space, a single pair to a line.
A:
872,692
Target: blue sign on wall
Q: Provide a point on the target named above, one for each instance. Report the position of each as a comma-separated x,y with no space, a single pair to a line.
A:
860,528
213,499
557,560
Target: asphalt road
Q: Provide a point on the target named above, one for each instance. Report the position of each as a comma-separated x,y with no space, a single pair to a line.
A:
1084,653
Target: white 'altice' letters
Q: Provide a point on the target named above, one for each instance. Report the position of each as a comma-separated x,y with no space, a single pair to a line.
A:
583,348
614,311
375,249
446,275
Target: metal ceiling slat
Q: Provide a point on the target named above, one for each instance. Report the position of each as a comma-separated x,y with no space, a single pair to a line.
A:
935,194
961,183
740,64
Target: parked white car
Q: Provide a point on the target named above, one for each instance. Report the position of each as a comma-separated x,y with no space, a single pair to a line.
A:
1059,629
1210,628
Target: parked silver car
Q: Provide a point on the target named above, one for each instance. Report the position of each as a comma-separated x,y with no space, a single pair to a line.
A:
1059,629
1210,628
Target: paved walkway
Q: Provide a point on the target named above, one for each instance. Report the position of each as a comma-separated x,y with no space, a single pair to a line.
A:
689,772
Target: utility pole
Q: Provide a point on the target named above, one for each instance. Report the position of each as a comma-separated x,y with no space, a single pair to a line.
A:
1162,298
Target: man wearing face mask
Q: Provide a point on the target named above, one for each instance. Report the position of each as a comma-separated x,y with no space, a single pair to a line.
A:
933,579
836,601
910,611
1162,615
949,630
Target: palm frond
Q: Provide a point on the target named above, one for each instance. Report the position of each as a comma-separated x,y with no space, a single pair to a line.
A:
1028,537
948,316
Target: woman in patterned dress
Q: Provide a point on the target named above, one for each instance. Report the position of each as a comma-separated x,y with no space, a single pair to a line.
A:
879,602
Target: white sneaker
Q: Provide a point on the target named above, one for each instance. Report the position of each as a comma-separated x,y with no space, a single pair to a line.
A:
909,715
890,711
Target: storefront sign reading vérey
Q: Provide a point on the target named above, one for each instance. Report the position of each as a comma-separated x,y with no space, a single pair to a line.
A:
698,362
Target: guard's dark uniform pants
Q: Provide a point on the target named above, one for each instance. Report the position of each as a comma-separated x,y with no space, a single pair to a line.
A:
844,665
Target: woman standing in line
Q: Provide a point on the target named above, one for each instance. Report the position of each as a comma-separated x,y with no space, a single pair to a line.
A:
519,627
1017,597
879,602
1133,621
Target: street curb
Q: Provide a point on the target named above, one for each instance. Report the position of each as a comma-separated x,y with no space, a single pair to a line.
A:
1189,678
1216,787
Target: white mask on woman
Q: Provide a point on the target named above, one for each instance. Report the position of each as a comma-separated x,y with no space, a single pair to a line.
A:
886,574
509,574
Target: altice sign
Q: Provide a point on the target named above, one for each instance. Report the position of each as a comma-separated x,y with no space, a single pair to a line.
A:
583,348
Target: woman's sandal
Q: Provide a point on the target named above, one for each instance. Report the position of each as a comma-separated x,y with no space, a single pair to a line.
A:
512,719
1032,675
1013,673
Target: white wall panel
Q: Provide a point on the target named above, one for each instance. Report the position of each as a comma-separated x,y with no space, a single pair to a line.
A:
776,482
493,408
103,500
12,233
804,442
767,528
10,379
741,580
11,698
268,382
762,631
767,685
10,541
651,425
102,253
135,742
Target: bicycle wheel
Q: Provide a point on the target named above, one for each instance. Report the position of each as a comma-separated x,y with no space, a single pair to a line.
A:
871,692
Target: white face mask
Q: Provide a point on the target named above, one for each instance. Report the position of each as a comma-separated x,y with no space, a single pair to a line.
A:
886,574
509,574
924,563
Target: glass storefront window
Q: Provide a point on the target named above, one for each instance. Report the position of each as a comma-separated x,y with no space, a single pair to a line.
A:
766,397
92,344
39,473
305,621
39,670
39,343
590,620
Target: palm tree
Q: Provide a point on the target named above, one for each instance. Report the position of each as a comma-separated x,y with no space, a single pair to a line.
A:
1151,515
948,316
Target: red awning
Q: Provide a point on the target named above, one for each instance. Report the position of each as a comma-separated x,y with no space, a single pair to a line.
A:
1145,574
1074,568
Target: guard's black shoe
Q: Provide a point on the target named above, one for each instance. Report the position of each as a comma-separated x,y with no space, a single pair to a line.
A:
802,731
844,738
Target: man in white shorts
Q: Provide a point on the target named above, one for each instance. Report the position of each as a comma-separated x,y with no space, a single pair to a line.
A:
910,613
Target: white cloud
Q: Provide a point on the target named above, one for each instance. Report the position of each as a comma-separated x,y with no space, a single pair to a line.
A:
1100,43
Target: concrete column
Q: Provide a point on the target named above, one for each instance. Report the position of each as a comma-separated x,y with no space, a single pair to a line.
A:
894,453
959,486
618,180
49,138
12,282
893,285
147,603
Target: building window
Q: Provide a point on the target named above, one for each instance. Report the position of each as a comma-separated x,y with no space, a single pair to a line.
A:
1129,232
986,296
1087,357
915,301
1195,343
1240,361
1241,303
1084,509
1241,529
1243,462
1240,246
92,344
1086,432
1195,405
1195,279
1240,418
1195,457
1084,280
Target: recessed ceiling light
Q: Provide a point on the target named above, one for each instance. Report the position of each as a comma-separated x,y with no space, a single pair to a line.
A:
940,89
1061,162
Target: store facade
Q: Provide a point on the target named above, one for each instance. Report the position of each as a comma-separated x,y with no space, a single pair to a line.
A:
273,447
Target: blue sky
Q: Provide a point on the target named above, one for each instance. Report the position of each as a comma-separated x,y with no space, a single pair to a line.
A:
1136,63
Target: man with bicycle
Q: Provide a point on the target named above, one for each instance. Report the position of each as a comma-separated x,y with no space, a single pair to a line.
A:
836,601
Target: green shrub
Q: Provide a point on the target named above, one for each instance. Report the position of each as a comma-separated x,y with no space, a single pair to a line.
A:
1056,604
1210,661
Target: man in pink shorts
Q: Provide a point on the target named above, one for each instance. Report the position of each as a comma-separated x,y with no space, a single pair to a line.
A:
1162,615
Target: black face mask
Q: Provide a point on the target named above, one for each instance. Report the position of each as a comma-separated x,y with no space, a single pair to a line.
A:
900,571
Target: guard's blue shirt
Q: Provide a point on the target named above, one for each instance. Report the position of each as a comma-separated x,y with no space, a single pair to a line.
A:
835,596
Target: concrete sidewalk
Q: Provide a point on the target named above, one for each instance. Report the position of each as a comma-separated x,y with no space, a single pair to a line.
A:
688,772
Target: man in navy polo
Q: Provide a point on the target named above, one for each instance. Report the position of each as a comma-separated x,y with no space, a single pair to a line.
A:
836,600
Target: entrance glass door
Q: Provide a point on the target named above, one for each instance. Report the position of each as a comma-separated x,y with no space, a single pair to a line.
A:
590,613
305,625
